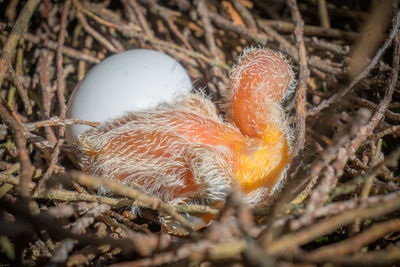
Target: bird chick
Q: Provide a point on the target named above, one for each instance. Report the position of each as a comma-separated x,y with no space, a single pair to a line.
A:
183,152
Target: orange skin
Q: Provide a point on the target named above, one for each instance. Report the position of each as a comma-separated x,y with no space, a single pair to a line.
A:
250,155
258,147
260,79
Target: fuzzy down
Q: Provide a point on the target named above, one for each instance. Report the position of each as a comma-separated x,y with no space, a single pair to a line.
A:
183,152
178,152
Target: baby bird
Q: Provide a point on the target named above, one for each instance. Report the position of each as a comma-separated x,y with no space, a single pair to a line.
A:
183,152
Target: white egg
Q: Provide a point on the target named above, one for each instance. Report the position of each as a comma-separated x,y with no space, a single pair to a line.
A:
124,82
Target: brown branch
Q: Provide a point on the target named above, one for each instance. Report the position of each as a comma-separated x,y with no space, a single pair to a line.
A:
337,96
346,188
362,134
168,15
384,257
371,35
54,159
19,28
171,46
252,34
59,59
27,168
354,243
124,190
328,46
142,19
366,103
11,179
60,96
246,14
335,208
338,207
287,27
21,90
323,14
68,51
45,72
303,76
96,35
384,104
210,39
286,47
294,240
56,121
78,227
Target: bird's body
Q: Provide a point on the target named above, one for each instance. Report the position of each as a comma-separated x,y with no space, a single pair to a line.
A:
183,151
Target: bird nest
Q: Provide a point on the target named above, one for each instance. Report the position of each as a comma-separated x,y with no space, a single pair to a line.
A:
341,200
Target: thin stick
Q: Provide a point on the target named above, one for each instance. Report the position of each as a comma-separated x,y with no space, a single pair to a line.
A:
56,121
27,169
21,90
323,14
291,241
124,190
353,244
17,31
68,51
303,76
326,103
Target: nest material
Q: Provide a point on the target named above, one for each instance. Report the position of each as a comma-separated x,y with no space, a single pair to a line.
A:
342,198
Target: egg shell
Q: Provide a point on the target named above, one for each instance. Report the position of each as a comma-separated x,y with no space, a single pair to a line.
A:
129,81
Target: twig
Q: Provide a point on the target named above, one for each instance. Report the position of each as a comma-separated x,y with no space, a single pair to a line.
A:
78,227
27,168
366,103
213,251
142,20
168,15
124,190
45,72
68,51
291,241
326,103
8,178
349,187
384,104
303,76
335,208
286,47
246,15
283,26
338,207
60,68
353,244
163,44
209,34
328,46
56,121
373,162
50,169
60,96
101,39
21,90
364,130
254,35
382,257
45,222
63,195
19,28
323,14
371,35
